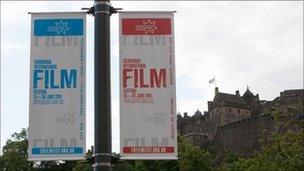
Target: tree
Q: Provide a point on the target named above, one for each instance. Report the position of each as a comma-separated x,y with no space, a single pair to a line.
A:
84,165
282,152
15,153
192,157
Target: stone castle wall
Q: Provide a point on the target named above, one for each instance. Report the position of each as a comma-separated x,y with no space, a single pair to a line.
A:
242,137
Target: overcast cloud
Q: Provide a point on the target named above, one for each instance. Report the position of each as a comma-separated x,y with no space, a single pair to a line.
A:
259,44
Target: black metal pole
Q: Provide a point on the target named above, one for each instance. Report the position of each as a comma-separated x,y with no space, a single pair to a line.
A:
102,128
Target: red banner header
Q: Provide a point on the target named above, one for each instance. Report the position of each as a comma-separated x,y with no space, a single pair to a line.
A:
146,26
148,149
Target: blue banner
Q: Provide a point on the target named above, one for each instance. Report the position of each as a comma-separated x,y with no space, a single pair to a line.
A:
57,113
58,27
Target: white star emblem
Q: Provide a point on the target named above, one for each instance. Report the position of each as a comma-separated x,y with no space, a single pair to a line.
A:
61,27
159,118
149,26
69,118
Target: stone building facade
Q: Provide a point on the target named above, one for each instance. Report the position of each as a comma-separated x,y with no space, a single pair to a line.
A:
231,107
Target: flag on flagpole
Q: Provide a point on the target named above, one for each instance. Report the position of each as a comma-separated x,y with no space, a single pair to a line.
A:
212,80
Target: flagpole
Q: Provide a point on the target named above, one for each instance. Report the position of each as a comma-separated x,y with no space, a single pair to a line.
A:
214,82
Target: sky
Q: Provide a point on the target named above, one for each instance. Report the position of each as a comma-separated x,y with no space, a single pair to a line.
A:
255,44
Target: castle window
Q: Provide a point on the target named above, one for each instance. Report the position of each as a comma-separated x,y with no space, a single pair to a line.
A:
229,110
239,111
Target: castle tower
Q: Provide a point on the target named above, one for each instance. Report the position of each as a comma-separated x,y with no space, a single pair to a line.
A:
227,108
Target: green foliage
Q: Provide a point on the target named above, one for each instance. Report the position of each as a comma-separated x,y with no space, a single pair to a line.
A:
231,158
14,153
123,166
229,161
54,165
283,149
84,165
282,152
161,165
193,158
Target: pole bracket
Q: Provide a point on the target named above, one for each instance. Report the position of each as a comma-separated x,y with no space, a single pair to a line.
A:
109,9
89,10
114,10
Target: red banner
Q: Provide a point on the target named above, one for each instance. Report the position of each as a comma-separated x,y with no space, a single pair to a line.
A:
146,26
148,129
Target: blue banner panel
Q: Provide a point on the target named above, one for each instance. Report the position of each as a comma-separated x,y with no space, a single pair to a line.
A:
58,27
57,150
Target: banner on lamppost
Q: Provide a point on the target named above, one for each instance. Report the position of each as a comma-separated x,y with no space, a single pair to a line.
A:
148,127
57,115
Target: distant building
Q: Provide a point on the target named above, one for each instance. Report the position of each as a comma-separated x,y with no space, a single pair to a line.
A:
232,107
292,93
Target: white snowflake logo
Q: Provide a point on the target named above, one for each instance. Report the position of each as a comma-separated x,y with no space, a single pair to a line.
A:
159,118
60,27
147,26
67,119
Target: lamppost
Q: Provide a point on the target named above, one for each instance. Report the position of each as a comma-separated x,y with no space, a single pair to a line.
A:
102,125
